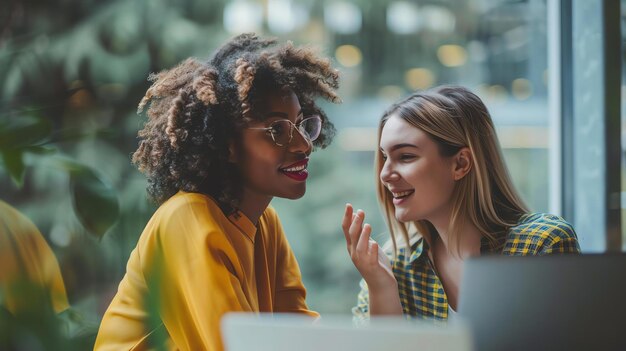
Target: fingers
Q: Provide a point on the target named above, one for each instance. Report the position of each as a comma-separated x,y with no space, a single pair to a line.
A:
357,235
355,230
373,248
345,224
364,252
363,244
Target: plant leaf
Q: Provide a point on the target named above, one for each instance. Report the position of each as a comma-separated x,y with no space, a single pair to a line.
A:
40,150
95,202
23,131
14,163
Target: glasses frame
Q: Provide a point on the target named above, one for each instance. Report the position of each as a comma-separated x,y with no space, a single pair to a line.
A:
291,129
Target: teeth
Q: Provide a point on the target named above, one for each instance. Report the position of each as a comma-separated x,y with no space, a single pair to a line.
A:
401,194
295,169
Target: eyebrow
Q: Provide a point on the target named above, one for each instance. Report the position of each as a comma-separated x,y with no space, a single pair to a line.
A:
400,146
280,114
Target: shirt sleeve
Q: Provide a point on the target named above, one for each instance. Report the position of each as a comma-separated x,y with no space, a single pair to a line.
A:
559,245
361,311
190,276
290,292
560,238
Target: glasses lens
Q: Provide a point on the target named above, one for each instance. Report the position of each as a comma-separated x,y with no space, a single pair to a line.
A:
311,127
281,131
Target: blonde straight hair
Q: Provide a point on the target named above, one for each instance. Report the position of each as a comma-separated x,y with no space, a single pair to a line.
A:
454,118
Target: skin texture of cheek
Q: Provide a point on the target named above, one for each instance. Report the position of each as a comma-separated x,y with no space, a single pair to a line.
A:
260,168
433,192
260,165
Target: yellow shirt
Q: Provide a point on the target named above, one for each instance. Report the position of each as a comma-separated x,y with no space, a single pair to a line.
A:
191,265
27,265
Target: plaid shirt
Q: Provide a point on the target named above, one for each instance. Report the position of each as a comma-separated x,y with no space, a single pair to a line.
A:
421,291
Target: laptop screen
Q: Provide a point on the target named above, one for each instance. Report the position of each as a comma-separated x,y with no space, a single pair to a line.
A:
558,302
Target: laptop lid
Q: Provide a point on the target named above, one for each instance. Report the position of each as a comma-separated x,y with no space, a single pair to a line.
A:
289,332
556,302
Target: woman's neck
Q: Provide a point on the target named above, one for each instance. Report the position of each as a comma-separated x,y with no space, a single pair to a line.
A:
469,237
253,205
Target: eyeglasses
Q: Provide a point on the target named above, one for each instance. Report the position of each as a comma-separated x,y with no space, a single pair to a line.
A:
282,130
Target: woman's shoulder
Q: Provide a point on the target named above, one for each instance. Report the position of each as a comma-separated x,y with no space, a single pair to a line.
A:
537,233
183,205
543,224
184,213
183,199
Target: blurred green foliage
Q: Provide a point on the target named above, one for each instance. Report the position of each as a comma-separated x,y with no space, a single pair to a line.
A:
19,136
37,327
94,201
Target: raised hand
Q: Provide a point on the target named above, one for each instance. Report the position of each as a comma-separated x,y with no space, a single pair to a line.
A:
366,254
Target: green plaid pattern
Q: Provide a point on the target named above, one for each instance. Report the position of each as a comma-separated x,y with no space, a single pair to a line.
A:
421,291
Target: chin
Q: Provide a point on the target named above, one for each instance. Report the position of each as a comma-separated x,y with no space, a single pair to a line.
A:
404,216
294,194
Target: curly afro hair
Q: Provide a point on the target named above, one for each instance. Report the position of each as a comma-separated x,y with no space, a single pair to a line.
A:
196,108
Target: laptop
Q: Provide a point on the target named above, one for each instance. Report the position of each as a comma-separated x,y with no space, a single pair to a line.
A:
558,302
289,332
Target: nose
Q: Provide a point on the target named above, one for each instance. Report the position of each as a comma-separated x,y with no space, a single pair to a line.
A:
387,174
300,143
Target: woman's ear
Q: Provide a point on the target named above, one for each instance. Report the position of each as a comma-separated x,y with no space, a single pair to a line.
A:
462,163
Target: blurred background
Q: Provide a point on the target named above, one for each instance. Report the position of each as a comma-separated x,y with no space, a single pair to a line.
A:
73,72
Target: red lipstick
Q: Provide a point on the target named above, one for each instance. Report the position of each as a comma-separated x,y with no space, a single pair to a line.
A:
297,171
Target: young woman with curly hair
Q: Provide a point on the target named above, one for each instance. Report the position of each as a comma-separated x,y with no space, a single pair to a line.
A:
223,138
442,178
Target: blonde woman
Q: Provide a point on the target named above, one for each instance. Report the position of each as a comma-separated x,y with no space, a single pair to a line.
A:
442,175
